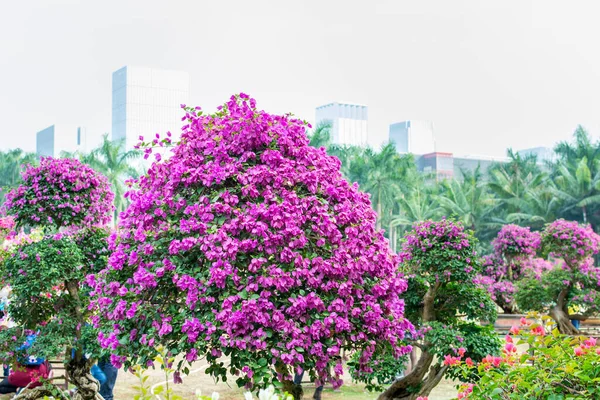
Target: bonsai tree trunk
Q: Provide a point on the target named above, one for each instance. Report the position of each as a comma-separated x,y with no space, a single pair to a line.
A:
87,386
560,314
435,375
78,368
403,389
509,268
406,387
288,385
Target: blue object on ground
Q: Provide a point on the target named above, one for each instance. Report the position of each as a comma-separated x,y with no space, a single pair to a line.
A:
106,389
575,323
28,359
98,374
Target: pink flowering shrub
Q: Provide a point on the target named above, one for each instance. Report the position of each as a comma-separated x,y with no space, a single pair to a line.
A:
570,241
502,290
514,240
444,302
248,243
546,365
61,192
573,280
66,202
6,226
514,251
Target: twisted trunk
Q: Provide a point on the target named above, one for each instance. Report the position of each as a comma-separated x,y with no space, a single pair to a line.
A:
80,375
413,384
404,388
560,314
435,375
288,385
79,368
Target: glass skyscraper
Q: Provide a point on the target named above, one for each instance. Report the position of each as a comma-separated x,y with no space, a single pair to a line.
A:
414,137
55,139
349,122
146,101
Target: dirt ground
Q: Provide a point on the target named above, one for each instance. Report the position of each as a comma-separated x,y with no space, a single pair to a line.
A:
199,380
124,389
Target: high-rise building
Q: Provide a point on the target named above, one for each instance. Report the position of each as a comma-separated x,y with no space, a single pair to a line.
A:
441,165
55,139
447,165
349,122
542,153
146,101
414,137
470,163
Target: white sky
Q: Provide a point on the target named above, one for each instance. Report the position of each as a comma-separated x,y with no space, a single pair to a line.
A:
489,74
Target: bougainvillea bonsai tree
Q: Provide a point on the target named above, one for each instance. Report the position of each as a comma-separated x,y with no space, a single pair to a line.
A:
247,243
573,282
71,204
513,258
444,302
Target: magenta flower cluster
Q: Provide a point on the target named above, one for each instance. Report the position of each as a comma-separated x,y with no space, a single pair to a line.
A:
427,234
6,227
514,240
248,242
7,223
570,241
61,192
441,249
513,259
494,280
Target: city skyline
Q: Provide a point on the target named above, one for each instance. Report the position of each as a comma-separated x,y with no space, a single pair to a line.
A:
484,86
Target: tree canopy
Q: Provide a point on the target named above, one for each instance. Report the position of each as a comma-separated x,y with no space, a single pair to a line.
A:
262,253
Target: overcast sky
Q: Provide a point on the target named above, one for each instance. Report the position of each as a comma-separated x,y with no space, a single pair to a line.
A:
489,74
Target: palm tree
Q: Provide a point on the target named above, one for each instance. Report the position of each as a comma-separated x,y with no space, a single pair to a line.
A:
576,174
579,188
510,182
321,135
538,207
382,177
11,167
571,154
115,163
470,202
419,205
353,159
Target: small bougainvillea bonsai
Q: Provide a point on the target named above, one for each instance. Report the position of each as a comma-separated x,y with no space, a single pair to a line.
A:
445,303
69,204
573,280
247,243
513,259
